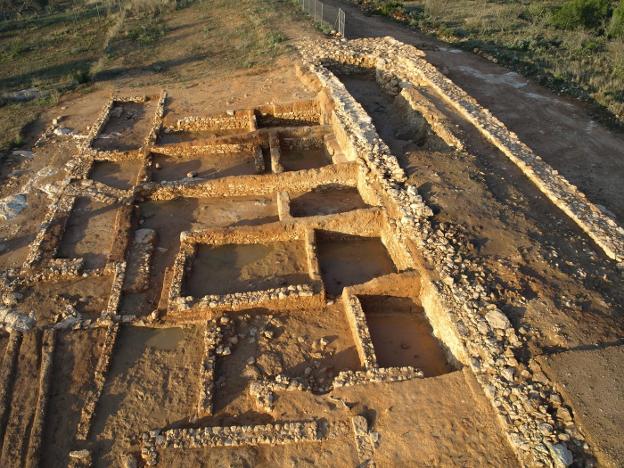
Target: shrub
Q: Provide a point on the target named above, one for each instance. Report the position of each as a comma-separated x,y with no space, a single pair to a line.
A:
149,32
389,8
616,26
80,76
575,13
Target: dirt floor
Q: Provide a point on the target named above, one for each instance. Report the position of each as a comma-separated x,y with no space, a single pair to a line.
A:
554,284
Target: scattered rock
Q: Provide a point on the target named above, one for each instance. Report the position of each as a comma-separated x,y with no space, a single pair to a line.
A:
497,319
12,205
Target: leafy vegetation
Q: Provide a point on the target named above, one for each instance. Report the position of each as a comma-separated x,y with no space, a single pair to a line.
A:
581,13
616,26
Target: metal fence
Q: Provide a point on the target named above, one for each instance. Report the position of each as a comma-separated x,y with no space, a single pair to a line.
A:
331,17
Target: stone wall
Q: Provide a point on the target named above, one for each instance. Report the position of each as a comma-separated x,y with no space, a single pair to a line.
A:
478,327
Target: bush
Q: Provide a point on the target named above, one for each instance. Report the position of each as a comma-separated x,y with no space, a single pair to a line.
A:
389,8
149,32
575,13
80,76
616,26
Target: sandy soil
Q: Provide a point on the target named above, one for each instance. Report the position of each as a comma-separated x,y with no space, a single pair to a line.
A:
75,360
342,262
121,175
591,380
329,199
239,268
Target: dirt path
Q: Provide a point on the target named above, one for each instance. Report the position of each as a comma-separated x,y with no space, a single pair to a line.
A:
560,130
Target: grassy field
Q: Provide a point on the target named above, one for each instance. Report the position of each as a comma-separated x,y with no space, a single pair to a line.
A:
574,47
74,45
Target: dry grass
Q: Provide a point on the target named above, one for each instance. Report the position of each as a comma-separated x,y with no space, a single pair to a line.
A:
140,42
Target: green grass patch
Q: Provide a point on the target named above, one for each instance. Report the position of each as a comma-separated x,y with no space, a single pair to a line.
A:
616,26
581,13
147,32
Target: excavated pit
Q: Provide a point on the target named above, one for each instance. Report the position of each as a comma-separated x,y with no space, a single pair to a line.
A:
88,232
54,302
246,267
75,359
327,200
172,217
315,345
151,383
119,174
126,127
297,156
210,166
349,260
403,129
402,334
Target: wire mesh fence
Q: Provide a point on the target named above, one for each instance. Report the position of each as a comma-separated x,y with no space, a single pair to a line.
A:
330,17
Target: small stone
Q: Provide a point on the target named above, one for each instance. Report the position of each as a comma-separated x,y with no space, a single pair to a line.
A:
80,454
497,319
563,457
191,174
128,461
508,373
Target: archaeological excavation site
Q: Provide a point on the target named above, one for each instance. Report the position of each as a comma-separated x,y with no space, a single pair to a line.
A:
303,283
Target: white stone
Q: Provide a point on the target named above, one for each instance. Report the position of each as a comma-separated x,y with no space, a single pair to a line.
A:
497,319
562,456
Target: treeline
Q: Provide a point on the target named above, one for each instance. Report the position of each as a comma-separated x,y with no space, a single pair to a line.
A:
602,16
